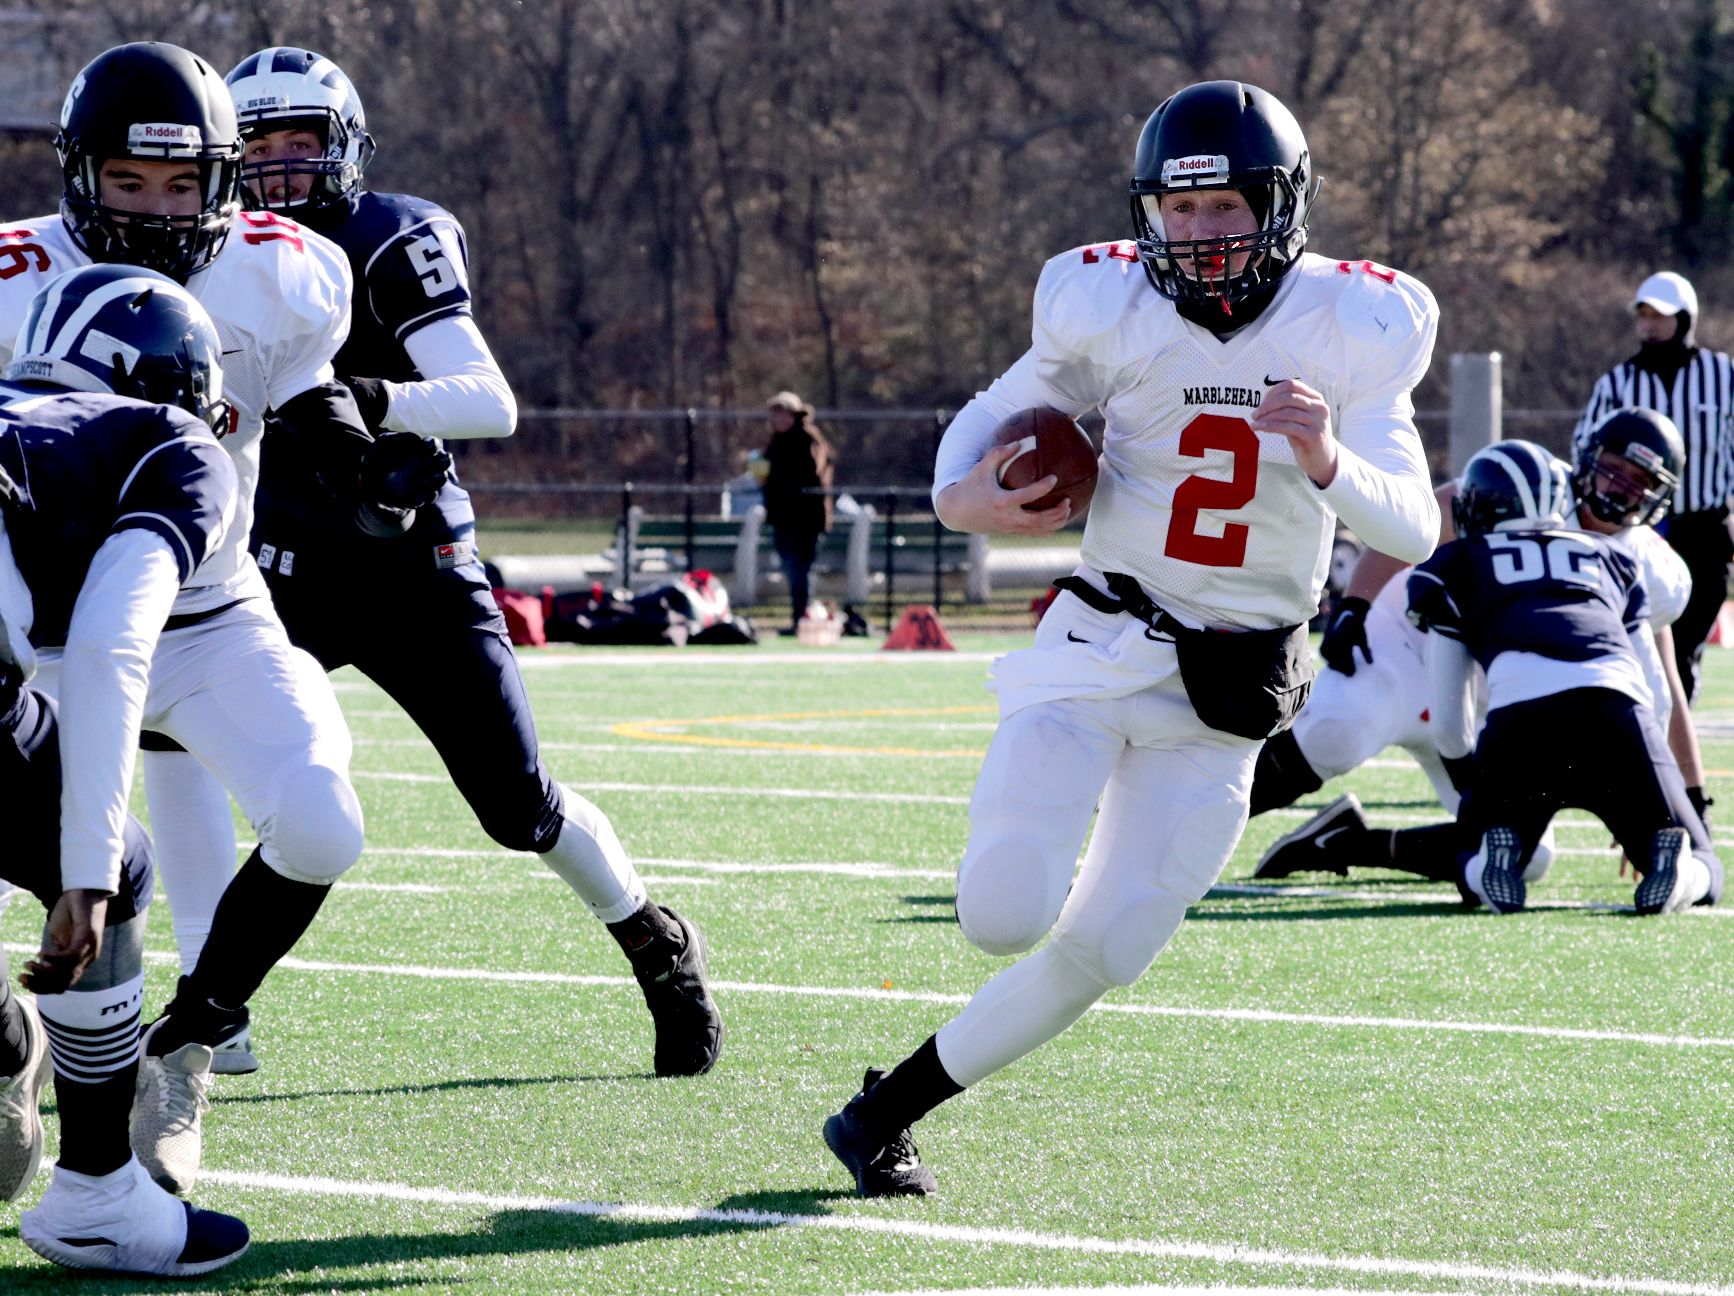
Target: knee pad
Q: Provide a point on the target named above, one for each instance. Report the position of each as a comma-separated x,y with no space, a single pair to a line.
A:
1009,893
1334,746
528,818
1121,950
315,831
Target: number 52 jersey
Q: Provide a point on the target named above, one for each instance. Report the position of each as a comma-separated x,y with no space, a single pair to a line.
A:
1216,520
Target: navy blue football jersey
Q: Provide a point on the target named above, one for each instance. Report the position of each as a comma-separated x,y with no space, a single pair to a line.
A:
83,467
411,267
1564,595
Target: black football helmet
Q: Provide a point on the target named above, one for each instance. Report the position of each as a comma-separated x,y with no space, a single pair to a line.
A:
125,330
1222,135
153,102
1644,440
1512,486
283,88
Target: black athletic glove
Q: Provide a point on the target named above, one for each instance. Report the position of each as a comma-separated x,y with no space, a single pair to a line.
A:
1345,632
1700,802
370,398
403,471
1460,770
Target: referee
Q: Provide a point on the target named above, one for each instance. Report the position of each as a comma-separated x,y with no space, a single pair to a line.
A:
1694,386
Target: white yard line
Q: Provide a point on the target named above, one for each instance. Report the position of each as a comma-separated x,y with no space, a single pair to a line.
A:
693,789
1260,1016
675,662
1264,1257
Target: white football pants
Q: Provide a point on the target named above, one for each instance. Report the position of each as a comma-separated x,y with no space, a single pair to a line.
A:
1173,798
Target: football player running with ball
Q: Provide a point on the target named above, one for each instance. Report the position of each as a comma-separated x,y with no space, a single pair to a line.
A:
419,368
1253,394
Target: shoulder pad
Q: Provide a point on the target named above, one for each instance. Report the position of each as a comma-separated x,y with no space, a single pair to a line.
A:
304,275
1383,308
32,255
1431,606
1086,296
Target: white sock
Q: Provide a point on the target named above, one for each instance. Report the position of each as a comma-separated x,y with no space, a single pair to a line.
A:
194,835
93,1033
593,862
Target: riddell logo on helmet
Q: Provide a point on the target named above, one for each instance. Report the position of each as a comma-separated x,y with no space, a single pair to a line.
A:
1201,165
165,135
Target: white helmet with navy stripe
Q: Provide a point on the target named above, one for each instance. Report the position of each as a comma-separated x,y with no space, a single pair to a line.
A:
127,331
283,88
1512,486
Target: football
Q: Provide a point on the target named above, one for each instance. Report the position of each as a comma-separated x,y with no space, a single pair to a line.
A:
1048,442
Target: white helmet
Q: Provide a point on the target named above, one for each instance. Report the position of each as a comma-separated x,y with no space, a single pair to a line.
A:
282,87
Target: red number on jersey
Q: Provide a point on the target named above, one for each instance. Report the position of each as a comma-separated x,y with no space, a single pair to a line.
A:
16,258
1185,542
1121,251
269,225
1367,267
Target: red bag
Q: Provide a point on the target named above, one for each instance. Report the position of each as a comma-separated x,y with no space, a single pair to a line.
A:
524,620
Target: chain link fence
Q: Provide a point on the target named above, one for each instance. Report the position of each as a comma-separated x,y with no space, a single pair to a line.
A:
635,497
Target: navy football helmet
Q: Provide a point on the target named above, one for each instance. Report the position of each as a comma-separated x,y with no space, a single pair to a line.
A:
1512,486
1641,440
128,331
1222,135
284,88
154,103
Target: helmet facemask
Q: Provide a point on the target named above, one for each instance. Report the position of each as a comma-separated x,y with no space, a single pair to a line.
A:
1203,271
177,246
1637,492
333,176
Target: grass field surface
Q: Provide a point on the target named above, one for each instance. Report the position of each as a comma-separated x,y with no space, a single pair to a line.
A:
1327,1086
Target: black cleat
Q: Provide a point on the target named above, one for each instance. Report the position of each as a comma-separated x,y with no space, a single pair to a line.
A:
1308,849
689,1029
1499,884
881,1169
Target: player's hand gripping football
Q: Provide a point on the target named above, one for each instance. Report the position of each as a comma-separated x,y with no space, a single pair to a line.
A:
403,471
71,940
980,504
1294,410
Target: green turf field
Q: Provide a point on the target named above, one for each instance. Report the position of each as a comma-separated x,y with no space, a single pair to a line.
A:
1332,1087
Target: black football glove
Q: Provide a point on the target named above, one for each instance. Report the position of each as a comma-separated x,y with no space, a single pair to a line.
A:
1345,632
370,398
403,471
1700,802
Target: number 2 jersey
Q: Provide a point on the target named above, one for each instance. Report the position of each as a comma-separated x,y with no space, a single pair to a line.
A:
1542,611
1217,521
410,264
279,296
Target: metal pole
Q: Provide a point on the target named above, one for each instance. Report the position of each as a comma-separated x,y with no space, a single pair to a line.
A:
1476,413
939,421
691,477
626,532
890,556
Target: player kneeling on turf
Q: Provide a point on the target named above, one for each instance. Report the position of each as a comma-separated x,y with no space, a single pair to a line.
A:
108,504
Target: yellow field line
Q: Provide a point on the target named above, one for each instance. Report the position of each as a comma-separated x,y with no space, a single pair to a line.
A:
659,730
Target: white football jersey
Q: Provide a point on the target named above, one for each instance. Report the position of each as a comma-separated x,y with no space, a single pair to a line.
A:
1215,520
279,295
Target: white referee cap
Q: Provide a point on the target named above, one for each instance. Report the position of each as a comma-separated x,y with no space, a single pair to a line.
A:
1668,294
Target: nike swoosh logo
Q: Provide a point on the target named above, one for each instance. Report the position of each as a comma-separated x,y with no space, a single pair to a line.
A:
1323,839
1271,382
1383,327
1074,638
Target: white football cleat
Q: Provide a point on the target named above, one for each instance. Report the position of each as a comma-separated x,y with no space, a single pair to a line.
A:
167,1112
20,1115
233,1054
125,1223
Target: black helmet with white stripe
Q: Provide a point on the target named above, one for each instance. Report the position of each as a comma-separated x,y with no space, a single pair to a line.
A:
149,102
1512,486
127,331
1627,467
284,88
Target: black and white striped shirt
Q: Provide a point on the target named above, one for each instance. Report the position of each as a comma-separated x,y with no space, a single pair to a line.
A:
1700,401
